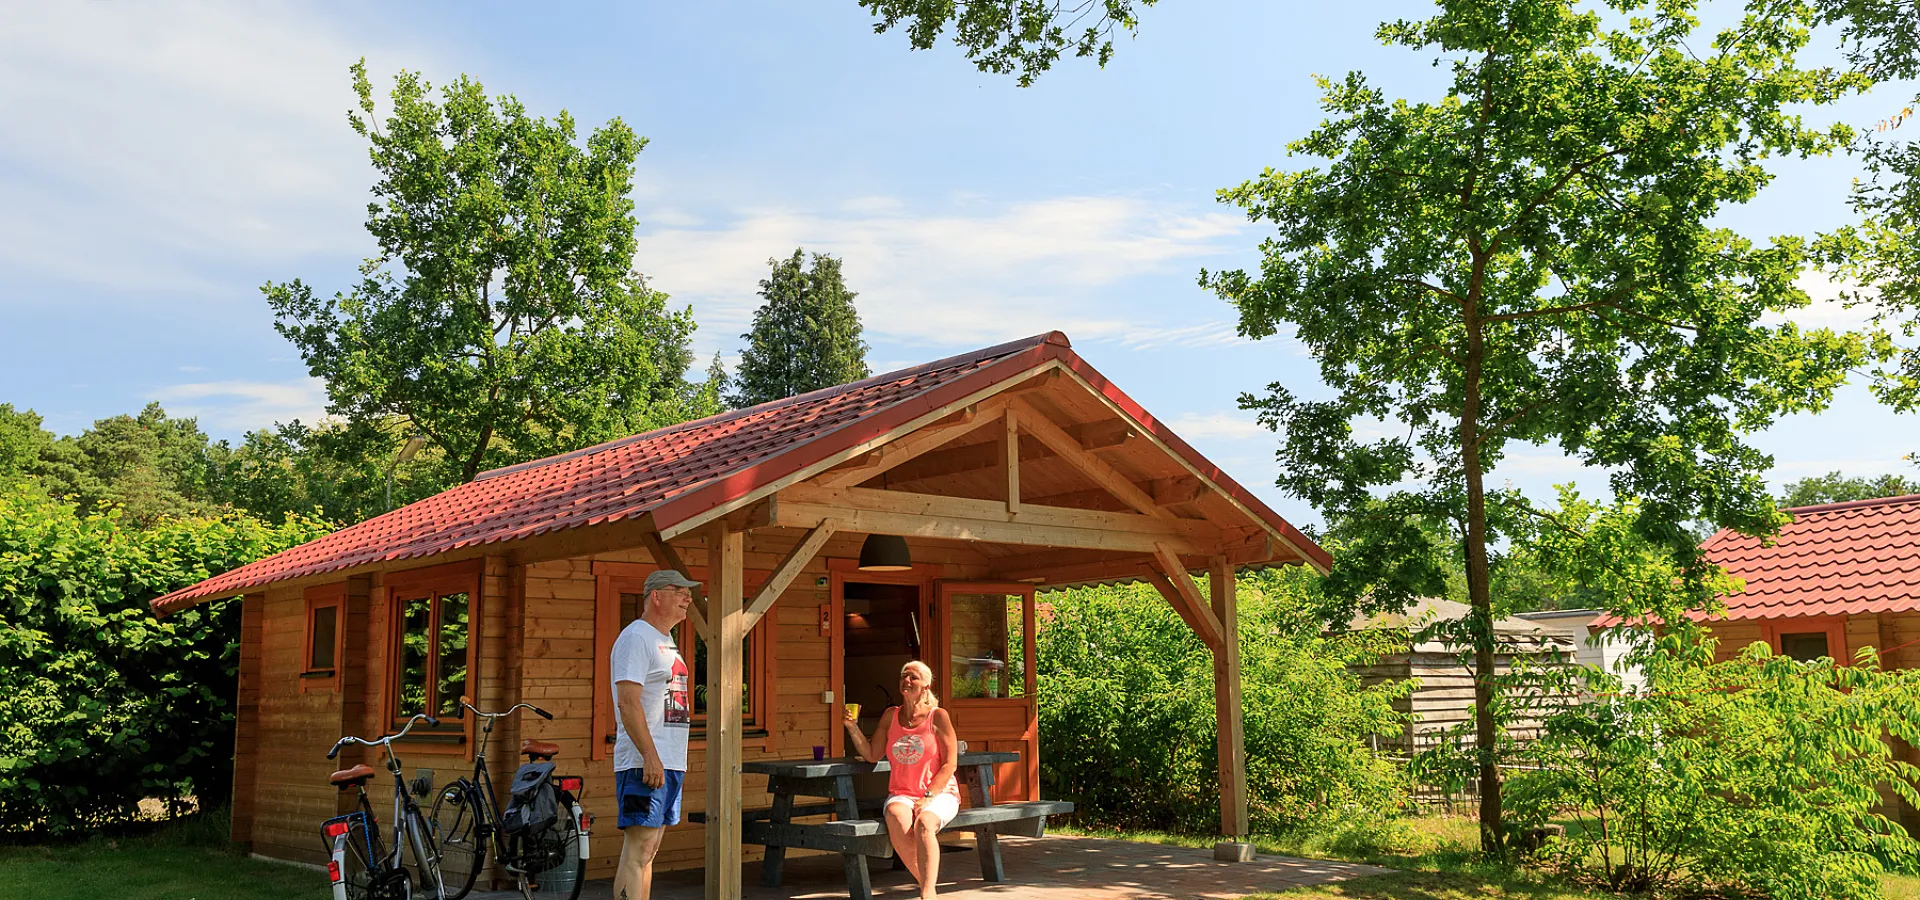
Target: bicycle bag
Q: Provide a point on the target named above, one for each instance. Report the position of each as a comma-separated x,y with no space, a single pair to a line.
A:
535,804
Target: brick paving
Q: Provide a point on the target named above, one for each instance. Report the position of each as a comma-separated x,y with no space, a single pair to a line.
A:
1054,867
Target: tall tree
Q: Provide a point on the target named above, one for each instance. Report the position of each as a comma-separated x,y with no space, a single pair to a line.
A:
150,465
806,335
1834,487
1535,257
501,317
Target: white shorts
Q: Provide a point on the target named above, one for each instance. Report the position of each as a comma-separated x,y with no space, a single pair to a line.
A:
946,805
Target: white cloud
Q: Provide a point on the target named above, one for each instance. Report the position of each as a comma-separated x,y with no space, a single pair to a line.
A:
246,405
1827,309
148,142
963,279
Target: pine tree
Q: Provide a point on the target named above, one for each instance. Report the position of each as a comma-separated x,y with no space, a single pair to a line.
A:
805,337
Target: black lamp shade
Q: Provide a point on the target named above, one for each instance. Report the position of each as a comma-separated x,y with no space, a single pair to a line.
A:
885,553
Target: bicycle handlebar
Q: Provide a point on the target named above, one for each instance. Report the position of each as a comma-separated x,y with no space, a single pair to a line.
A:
350,739
510,710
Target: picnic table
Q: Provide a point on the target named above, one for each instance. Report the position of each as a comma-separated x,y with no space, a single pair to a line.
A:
858,831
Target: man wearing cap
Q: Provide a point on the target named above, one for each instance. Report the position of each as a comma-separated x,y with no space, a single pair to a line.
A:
652,715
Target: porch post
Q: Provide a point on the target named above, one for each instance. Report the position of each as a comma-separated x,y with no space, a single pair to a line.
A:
1226,697
726,610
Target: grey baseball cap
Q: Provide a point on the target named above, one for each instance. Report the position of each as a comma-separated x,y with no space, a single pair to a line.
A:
666,578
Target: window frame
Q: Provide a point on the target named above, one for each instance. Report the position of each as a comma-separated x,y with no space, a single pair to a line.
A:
435,582
325,596
611,579
1833,626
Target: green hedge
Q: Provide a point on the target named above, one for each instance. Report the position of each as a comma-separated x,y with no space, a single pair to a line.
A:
102,704
1127,722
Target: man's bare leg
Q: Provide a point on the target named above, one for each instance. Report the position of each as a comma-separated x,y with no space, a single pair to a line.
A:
633,880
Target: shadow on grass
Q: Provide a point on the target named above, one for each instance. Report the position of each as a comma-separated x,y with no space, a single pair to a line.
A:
189,859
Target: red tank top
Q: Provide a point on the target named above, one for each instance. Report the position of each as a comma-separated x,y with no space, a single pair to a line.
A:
913,758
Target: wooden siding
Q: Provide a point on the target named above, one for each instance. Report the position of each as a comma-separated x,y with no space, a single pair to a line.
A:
1444,698
292,731
535,633
1899,631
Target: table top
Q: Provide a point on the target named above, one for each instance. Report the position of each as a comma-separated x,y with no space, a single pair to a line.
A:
847,765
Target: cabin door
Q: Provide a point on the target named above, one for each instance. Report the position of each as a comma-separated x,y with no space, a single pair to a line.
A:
985,670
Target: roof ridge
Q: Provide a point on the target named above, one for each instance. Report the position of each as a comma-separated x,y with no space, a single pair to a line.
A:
1853,504
972,356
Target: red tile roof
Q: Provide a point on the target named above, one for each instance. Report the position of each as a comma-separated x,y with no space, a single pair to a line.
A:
1840,558
679,472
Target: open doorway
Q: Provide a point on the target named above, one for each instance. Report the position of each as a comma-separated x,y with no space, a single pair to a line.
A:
884,627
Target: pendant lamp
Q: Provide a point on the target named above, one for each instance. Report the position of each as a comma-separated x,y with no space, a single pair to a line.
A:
885,553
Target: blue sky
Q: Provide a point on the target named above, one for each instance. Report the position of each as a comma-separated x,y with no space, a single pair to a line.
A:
165,159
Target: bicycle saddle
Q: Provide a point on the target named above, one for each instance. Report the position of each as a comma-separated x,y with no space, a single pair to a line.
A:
539,749
354,777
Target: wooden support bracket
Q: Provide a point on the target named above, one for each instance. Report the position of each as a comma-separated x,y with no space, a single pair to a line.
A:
789,569
1187,598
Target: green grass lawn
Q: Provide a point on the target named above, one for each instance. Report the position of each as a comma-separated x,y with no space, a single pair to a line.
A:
181,862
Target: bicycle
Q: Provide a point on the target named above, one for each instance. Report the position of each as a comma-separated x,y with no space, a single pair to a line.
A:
547,861
357,866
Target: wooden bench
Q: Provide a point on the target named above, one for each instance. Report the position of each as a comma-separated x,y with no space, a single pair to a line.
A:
860,832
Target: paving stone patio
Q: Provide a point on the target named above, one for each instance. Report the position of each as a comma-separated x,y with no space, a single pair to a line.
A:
1049,868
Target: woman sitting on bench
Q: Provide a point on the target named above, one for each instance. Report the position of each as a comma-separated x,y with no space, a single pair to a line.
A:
922,752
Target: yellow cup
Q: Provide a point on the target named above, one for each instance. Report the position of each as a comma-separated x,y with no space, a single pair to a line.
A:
853,712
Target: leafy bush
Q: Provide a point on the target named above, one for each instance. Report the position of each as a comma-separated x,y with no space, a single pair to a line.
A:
102,704
1757,775
1127,722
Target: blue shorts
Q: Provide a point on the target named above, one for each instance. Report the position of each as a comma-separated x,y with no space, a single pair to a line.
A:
645,806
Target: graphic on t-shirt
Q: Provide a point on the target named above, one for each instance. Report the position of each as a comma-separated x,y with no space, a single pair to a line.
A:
908,750
678,710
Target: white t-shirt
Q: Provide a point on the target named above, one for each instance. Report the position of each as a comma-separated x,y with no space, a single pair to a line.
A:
648,658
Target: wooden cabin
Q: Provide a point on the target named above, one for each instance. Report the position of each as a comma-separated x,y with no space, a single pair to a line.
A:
1010,470
1442,698
1839,578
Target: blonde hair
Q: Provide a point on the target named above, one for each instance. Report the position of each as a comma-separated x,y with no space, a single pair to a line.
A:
927,699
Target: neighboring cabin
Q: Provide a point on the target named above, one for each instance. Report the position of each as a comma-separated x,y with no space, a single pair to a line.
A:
1839,578
1443,697
1601,648
1009,470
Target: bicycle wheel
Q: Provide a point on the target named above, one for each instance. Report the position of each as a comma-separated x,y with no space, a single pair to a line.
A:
550,863
423,860
356,871
456,822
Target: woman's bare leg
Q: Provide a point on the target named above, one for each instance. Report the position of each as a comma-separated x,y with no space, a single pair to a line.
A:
900,834
927,830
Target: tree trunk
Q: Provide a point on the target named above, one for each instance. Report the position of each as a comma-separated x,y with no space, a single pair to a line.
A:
471,469
1479,586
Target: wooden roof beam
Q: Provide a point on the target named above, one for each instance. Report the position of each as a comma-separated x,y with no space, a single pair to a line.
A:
911,446
987,454
964,519
1102,473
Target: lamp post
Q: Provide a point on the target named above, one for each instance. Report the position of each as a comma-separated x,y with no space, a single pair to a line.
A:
412,447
